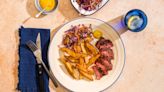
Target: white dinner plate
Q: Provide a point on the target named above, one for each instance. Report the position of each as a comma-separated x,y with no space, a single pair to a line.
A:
83,85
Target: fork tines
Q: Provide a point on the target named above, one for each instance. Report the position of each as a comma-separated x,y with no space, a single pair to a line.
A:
32,45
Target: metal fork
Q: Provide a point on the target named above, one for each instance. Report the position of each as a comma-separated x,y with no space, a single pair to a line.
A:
37,52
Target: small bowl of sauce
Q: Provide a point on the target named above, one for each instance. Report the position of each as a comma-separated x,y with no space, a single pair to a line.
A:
46,5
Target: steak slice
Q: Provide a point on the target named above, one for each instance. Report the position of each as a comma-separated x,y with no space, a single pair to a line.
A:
102,67
107,64
104,43
97,73
107,54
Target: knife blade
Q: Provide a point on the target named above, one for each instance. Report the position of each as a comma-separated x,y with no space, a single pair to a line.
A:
38,43
39,67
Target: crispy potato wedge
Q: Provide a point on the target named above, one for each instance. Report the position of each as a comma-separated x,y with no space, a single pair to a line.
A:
76,74
90,71
77,48
69,68
62,59
83,48
81,68
79,55
81,76
93,59
68,51
82,55
71,59
86,75
91,48
81,61
72,53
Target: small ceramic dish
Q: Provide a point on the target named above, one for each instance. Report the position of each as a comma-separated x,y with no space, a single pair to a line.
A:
38,6
88,12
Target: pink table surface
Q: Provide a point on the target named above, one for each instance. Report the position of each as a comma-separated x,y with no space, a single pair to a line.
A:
144,69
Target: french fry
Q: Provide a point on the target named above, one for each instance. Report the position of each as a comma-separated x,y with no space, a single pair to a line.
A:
75,73
79,55
81,76
77,48
81,68
69,68
81,61
91,72
62,59
72,53
93,59
87,59
83,48
68,51
86,75
71,59
84,65
82,55
91,48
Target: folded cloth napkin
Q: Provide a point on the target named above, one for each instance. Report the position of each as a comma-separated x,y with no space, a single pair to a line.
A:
27,71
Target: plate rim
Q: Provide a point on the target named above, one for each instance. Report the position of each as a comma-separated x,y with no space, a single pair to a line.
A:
103,22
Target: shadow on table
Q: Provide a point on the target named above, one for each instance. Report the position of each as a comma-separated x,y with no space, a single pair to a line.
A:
67,10
118,25
15,68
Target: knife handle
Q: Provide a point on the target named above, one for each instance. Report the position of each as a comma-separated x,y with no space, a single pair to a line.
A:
40,77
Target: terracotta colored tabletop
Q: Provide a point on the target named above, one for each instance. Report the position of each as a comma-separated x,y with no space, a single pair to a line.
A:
144,68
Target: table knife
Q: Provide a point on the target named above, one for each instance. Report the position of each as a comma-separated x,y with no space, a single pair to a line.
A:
36,49
39,67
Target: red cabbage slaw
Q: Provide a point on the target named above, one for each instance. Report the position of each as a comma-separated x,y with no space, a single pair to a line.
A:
89,5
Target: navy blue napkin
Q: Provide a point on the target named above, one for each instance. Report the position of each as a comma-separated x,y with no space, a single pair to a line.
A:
27,71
